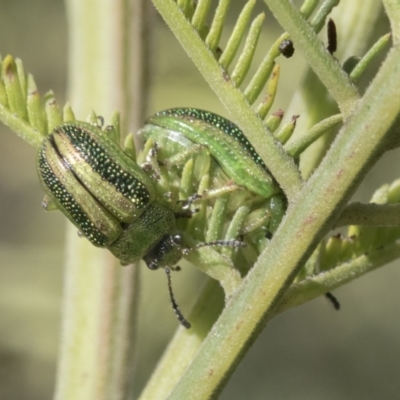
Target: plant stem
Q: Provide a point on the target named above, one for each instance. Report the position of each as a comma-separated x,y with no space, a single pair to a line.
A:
356,25
22,128
315,286
327,69
306,221
99,312
392,8
278,162
185,343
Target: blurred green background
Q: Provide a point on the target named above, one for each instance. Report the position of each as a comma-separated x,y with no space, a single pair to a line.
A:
311,352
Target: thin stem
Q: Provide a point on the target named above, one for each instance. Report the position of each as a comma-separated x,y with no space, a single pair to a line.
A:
320,16
244,62
200,14
22,128
372,53
258,80
217,267
296,147
318,285
308,8
237,34
324,65
217,25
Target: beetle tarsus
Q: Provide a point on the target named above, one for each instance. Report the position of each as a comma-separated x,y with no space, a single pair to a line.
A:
100,121
151,164
186,213
189,201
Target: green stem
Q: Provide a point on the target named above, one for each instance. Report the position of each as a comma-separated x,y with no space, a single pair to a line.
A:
306,221
337,82
392,8
313,287
22,128
264,70
185,343
280,165
236,35
99,313
246,56
296,147
356,26
308,8
372,53
320,16
217,267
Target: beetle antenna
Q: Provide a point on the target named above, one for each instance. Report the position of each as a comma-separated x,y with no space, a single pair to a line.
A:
333,300
177,311
226,242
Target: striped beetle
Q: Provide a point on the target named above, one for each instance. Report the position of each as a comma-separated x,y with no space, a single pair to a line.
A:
115,204
183,133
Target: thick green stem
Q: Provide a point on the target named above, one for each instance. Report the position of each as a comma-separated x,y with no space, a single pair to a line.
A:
307,220
98,327
184,345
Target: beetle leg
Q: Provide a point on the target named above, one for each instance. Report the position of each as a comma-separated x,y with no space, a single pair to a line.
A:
151,164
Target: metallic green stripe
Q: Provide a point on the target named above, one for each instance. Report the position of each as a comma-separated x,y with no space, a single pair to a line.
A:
100,228
99,153
114,201
220,123
226,143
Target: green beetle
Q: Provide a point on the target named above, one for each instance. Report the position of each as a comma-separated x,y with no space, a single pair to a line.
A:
107,195
115,204
228,146
187,132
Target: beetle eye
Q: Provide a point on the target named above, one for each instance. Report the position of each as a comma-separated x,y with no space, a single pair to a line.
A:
153,264
177,238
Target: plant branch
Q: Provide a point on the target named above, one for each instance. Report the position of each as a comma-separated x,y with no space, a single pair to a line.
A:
355,22
392,8
372,53
324,65
100,297
22,128
297,146
281,166
324,282
217,267
185,343
306,221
